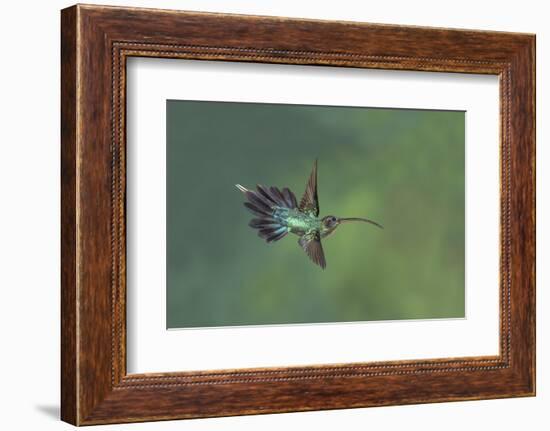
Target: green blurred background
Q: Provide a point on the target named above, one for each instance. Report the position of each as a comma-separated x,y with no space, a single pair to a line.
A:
401,168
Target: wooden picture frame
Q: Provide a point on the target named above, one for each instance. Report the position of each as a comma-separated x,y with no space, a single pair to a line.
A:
95,43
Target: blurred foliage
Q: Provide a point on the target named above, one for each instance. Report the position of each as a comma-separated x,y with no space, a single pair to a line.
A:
402,168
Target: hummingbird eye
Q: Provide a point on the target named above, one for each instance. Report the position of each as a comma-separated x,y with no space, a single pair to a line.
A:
331,220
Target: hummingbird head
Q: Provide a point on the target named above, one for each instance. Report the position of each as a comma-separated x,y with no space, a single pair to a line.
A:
330,223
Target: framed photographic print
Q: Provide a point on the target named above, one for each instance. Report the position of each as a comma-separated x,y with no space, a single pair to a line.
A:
264,215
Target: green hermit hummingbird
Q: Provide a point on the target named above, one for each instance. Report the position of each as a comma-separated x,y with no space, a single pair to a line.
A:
278,213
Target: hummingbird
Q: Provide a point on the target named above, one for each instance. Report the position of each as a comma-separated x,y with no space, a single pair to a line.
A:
278,212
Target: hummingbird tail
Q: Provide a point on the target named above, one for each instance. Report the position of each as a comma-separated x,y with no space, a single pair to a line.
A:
241,188
264,203
268,229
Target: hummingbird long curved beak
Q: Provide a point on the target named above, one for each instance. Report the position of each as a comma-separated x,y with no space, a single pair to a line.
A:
345,219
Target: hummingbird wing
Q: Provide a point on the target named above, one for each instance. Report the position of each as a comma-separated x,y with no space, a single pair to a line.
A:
311,243
310,201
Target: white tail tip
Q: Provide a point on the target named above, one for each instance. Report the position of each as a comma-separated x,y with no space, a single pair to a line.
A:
241,188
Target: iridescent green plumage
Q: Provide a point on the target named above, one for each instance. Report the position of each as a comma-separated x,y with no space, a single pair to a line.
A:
279,213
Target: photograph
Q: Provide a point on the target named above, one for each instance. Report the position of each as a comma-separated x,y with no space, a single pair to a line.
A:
294,214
